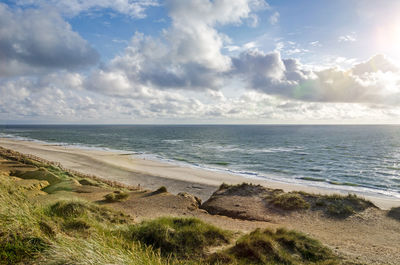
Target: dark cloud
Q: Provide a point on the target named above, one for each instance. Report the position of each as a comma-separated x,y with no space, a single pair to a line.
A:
36,40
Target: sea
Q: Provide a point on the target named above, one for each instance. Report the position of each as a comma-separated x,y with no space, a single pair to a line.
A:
359,158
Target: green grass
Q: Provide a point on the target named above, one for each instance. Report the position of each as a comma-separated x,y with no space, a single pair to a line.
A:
116,196
340,206
40,174
335,205
21,239
275,247
289,201
35,234
77,225
19,248
89,182
181,237
68,209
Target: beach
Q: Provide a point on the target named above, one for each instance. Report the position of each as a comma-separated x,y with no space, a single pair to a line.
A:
129,169
353,228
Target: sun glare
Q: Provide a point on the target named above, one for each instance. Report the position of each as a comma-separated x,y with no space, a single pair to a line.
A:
388,39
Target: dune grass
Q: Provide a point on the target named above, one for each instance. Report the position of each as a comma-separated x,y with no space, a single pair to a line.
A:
73,231
31,233
290,201
181,237
334,206
39,174
116,196
275,247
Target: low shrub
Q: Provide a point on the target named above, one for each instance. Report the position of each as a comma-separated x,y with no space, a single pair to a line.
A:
161,189
289,201
68,209
16,248
280,247
116,196
77,225
88,182
341,206
179,236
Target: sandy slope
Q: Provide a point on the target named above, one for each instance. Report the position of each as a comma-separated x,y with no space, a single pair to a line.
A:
150,174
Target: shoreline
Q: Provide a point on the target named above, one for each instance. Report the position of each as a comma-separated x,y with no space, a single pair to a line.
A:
133,170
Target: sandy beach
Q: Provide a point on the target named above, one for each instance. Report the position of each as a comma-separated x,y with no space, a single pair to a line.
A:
365,235
132,170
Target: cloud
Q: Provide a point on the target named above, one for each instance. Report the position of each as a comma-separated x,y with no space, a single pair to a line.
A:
187,55
374,81
315,44
133,8
55,98
32,41
348,38
183,74
274,18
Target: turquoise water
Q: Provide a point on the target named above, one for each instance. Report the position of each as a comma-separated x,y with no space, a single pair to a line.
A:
358,158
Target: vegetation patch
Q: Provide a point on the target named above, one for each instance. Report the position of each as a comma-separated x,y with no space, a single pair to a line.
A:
88,182
340,206
394,213
77,225
336,205
243,189
183,237
34,234
65,185
116,196
69,209
280,247
40,174
16,248
161,189
289,201
76,209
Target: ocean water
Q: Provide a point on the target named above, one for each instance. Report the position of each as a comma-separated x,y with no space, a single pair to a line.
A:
354,158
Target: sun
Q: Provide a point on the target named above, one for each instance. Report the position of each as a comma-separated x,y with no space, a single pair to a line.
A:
387,39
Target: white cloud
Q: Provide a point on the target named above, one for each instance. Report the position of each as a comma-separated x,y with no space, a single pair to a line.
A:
315,44
33,41
374,81
274,18
188,55
183,74
53,98
348,38
134,8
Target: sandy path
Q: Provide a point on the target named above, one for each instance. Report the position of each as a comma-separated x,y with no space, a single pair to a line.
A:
150,174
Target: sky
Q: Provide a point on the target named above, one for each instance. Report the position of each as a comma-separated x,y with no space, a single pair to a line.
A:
199,62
